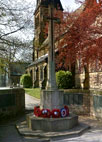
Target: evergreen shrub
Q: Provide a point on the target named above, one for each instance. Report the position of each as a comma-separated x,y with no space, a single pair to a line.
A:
64,79
26,81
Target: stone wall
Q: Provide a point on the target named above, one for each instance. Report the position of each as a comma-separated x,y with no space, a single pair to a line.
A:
84,102
96,103
12,101
78,101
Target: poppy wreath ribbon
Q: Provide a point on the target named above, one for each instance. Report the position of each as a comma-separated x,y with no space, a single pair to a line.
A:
67,110
63,112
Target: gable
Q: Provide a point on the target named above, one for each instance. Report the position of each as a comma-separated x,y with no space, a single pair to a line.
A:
57,3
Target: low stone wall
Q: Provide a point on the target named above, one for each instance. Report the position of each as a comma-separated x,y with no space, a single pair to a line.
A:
78,101
12,101
85,102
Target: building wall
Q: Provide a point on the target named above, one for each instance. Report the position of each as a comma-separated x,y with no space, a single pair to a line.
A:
95,80
3,80
38,74
16,71
40,33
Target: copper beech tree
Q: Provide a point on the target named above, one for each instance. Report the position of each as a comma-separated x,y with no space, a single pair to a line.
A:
79,36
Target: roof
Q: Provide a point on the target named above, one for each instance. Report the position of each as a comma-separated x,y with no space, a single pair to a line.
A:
80,9
57,3
39,60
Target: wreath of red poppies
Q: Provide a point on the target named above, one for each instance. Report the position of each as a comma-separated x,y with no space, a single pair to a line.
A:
37,111
55,113
45,113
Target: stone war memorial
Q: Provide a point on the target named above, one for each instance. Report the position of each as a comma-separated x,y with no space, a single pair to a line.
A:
52,118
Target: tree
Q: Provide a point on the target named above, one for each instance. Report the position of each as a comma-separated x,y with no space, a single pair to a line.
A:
15,23
82,37
16,33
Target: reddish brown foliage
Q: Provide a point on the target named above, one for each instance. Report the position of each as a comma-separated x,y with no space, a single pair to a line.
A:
80,36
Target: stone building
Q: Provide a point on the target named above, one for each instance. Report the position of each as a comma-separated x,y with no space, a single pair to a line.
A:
3,73
17,69
10,74
38,68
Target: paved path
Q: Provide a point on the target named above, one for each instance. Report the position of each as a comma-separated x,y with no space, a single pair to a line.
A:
8,132
30,102
92,135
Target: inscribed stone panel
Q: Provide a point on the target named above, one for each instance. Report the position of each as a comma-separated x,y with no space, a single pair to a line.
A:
97,101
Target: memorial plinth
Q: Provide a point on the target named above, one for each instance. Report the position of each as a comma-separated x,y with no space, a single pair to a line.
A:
52,124
51,99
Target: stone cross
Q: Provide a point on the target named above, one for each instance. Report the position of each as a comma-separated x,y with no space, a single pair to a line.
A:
51,81
51,97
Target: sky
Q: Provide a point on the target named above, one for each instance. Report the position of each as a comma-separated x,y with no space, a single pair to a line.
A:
69,4
66,4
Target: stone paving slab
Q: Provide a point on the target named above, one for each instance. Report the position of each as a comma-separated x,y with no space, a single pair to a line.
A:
8,133
77,131
93,136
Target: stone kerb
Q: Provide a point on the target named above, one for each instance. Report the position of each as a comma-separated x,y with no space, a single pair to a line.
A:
52,124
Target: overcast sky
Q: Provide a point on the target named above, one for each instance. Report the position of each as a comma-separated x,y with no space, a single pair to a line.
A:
69,4
66,4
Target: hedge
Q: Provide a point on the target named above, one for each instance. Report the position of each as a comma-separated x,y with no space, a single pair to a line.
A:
64,79
26,81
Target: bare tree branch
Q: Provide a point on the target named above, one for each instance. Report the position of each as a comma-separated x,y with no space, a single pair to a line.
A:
11,32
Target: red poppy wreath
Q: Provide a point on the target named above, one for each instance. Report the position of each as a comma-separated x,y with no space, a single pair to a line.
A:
37,111
55,113
45,113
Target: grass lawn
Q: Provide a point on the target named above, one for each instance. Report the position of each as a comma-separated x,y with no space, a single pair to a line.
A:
35,92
